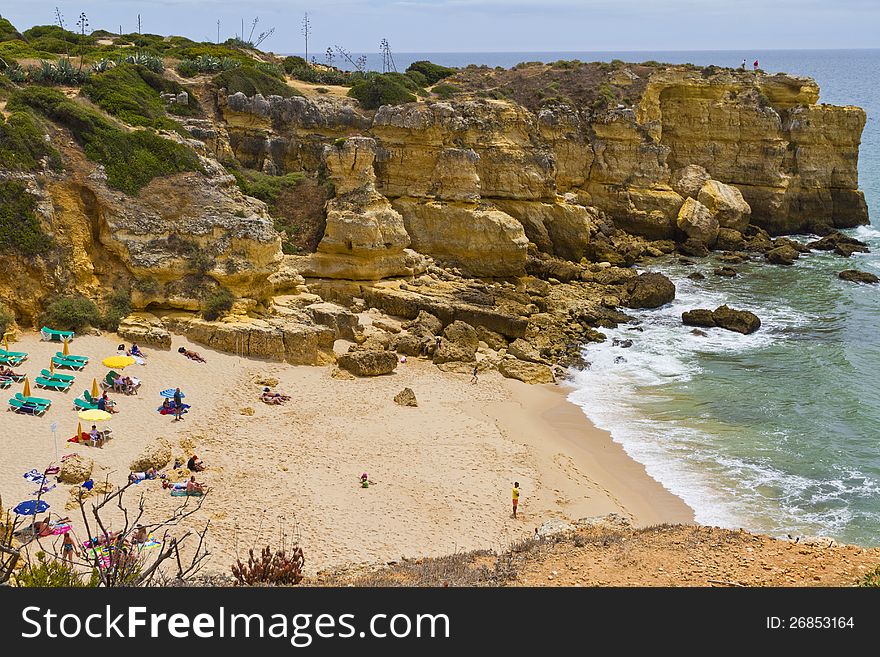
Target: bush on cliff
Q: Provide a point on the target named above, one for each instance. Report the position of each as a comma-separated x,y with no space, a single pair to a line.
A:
20,231
433,72
71,314
131,93
131,159
217,304
381,90
6,319
118,307
251,81
8,31
23,144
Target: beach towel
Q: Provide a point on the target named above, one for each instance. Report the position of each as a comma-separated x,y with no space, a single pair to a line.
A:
45,488
59,528
53,470
150,543
170,411
67,456
35,476
183,493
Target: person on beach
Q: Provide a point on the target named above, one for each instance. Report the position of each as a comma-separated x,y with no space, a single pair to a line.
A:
96,437
194,464
136,351
192,355
474,375
515,497
193,487
105,404
140,535
365,480
119,383
67,546
270,397
755,65
178,405
743,65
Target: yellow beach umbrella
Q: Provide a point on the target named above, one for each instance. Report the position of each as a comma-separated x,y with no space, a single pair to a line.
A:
6,341
27,388
95,392
51,366
118,362
79,430
94,415
66,350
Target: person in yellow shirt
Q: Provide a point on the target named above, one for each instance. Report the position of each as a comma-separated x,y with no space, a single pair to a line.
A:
515,497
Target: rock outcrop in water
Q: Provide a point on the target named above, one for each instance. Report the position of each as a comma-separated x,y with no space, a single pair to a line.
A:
740,321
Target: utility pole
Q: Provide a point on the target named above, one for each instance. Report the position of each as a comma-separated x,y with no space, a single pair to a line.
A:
306,30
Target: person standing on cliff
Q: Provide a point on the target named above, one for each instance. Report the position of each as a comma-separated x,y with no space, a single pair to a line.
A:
755,65
515,497
743,65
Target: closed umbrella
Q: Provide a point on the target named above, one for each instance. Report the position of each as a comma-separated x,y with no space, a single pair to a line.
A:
6,341
51,366
95,392
27,388
94,415
66,350
169,393
118,362
31,507
79,430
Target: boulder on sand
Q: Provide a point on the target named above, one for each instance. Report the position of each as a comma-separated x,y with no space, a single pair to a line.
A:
459,344
155,454
531,373
76,469
424,325
368,363
406,397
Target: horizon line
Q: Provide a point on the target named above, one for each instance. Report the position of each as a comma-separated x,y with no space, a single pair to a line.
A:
544,52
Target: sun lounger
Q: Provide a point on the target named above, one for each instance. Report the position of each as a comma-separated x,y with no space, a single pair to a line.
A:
11,361
84,404
5,383
20,406
53,384
56,376
14,354
81,359
68,364
51,335
34,400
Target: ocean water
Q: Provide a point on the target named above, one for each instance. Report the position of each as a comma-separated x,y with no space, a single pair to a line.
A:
775,432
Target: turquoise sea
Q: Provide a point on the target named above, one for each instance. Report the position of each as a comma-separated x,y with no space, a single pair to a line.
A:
775,432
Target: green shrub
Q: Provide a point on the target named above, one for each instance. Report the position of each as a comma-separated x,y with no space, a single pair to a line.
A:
130,159
71,314
131,93
407,82
23,143
8,31
293,62
263,186
446,91
251,81
380,90
271,69
118,306
433,72
418,78
217,304
871,579
20,231
148,61
322,90
52,573
207,64
62,72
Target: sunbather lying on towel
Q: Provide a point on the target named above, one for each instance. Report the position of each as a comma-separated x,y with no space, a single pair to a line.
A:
7,371
270,397
167,407
135,477
192,355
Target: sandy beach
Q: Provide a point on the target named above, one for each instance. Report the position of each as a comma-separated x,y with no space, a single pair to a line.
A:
442,471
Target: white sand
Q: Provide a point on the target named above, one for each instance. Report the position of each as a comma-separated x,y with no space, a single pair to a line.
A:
443,472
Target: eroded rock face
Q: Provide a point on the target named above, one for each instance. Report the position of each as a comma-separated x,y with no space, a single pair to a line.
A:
368,363
459,344
726,204
342,321
650,290
144,329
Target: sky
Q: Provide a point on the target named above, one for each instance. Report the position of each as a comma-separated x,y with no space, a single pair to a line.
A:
487,25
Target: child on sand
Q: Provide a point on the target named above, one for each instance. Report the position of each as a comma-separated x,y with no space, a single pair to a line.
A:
515,497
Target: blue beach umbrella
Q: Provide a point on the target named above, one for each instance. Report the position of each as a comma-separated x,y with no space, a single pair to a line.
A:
31,508
170,393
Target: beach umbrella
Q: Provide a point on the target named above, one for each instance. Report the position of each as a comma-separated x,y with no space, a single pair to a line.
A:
79,430
27,388
66,350
94,415
95,392
31,507
169,393
51,366
6,341
118,362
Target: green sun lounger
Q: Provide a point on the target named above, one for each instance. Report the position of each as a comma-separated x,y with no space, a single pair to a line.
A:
86,402
52,335
67,364
38,401
5,383
82,359
14,354
23,407
51,384
57,376
12,361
